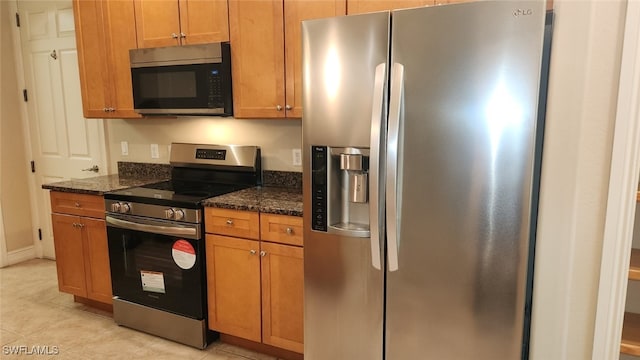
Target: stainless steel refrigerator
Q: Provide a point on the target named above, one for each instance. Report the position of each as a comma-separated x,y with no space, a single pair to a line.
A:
422,140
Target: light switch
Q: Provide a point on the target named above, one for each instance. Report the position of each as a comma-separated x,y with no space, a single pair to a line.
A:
297,157
155,154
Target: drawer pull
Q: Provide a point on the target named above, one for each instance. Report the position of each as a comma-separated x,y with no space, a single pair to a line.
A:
289,231
77,204
229,222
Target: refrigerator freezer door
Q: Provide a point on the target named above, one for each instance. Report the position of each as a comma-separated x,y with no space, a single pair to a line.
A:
343,290
467,145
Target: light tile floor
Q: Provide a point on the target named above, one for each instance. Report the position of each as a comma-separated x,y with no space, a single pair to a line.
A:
34,315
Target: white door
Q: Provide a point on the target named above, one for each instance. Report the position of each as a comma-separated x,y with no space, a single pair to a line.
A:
64,144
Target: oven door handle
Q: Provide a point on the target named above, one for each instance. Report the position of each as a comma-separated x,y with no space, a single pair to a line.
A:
189,232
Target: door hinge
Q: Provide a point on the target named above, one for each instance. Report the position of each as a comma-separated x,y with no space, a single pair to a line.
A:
24,95
33,166
40,234
17,20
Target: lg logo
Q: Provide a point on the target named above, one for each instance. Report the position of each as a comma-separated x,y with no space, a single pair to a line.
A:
522,12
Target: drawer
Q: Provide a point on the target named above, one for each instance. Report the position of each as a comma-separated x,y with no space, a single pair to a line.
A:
77,204
244,224
281,229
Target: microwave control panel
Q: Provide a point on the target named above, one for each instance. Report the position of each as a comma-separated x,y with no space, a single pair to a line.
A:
215,99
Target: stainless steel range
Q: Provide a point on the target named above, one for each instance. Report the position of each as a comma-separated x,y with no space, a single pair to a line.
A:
156,240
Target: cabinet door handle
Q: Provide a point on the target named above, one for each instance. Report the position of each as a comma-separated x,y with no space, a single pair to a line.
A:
263,253
289,231
229,222
183,35
77,204
252,252
105,109
174,35
288,107
278,108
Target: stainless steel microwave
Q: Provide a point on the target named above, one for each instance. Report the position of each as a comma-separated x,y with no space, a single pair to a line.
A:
182,80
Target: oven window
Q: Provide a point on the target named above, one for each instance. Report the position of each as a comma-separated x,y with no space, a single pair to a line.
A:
145,270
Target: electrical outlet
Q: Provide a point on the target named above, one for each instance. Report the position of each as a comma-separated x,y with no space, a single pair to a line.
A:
124,147
154,151
297,157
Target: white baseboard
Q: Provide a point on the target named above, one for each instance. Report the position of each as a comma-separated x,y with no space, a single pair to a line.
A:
20,255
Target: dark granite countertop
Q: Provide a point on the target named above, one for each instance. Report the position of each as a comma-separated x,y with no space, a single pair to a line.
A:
272,200
98,185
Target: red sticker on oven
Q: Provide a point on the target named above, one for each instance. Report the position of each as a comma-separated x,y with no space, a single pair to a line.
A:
183,254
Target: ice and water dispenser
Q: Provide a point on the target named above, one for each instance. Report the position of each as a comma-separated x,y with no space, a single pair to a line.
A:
340,186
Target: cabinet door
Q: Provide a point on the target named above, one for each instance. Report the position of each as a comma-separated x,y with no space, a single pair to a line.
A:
94,72
157,23
233,286
257,58
365,6
67,238
282,296
204,21
96,255
120,37
105,31
295,12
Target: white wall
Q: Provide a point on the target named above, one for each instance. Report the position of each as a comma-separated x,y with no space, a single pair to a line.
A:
14,190
276,138
583,87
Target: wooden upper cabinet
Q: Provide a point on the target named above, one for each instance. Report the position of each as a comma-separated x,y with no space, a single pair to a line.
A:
256,33
204,21
295,12
365,6
157,23
105,32
180,22
266,54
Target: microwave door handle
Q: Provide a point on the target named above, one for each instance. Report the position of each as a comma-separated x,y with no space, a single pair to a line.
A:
377,132
393,154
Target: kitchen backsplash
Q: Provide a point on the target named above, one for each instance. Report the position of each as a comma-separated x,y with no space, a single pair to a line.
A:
143,170
288,179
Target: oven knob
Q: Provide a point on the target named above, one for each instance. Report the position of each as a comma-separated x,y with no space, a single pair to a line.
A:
115,207
125,208
169,214
178,214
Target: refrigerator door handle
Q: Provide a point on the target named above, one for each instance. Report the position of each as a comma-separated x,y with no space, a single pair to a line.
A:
393,164
374,166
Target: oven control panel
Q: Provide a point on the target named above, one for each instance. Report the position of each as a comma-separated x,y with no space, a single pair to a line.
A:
211,154
153,211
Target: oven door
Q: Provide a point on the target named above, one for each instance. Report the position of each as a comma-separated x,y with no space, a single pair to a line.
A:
158,263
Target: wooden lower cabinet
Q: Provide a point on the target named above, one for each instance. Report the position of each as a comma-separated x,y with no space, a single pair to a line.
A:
255,287
82,253
282,296
69,254
96,256
233,286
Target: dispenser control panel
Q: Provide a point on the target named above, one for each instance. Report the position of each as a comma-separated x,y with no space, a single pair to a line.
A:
319,188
